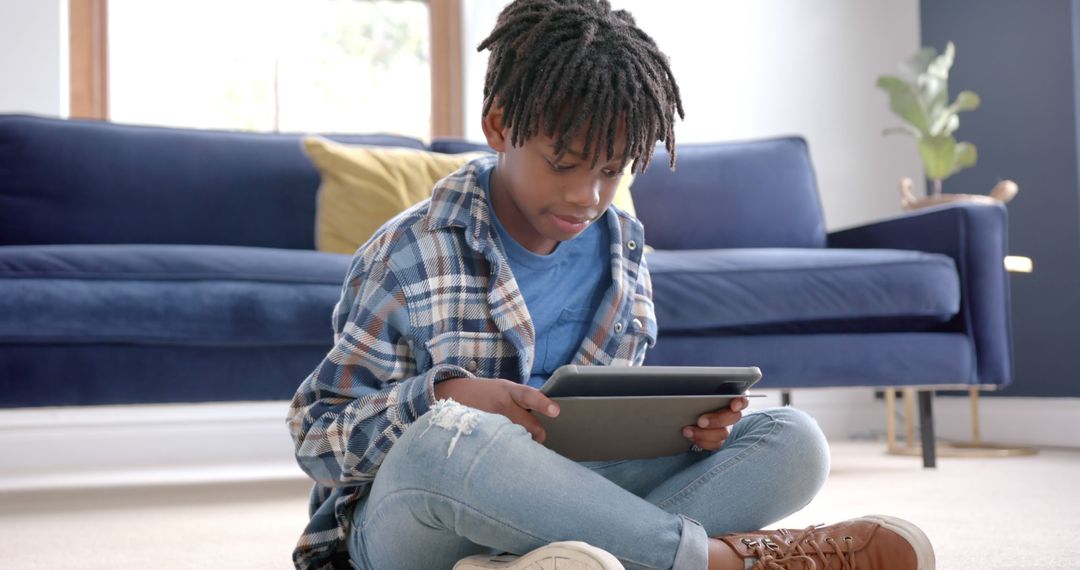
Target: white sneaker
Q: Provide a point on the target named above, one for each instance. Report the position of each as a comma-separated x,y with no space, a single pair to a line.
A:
565,555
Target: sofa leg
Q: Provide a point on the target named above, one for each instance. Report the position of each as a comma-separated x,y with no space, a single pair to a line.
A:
785,397
890,420
926,425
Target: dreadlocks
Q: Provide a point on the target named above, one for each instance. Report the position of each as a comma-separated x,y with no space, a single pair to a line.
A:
559,65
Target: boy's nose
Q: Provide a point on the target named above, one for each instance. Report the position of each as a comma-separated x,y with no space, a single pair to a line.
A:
584,195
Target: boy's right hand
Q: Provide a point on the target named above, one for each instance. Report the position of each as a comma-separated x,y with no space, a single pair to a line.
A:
500,396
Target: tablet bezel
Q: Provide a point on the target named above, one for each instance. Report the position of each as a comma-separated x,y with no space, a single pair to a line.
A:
604,381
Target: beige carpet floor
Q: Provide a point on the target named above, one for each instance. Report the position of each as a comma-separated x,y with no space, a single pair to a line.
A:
1008,513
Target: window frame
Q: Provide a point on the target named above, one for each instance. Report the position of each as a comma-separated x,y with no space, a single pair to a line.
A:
89,56
89,52
447,71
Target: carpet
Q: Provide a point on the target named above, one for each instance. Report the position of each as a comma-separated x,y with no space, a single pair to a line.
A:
1010,513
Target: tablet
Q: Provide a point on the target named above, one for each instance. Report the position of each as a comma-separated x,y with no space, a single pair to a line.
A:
624,427
581,381
615,412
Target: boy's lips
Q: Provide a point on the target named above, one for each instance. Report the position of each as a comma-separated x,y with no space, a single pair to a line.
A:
571,224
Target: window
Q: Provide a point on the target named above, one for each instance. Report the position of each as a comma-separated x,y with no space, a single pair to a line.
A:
272,65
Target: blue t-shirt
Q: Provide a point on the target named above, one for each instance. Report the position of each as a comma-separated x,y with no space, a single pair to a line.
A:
562,290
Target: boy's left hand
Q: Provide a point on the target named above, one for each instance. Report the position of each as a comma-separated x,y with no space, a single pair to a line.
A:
713,428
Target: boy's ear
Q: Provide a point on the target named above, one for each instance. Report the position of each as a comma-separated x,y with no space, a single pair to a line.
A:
498,137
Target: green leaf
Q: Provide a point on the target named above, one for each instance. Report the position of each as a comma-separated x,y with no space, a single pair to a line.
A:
966,101
934,84
943,156
904,101
940,66
951,126
937,154
902,130
964,156
945,121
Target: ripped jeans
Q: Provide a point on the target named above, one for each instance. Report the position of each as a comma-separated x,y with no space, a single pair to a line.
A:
472,482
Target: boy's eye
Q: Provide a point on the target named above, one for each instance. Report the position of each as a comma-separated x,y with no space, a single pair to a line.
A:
561,167
611,173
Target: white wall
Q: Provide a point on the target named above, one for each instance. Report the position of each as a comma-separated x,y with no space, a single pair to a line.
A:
34,57
758,68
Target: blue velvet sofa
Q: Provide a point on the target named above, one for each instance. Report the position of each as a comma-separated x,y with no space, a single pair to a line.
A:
151,265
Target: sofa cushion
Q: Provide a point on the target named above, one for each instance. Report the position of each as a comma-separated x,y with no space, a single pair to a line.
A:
779,290
163,294
71,181
831,360
732,194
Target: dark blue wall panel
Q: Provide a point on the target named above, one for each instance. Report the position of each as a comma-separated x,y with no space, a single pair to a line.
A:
1021,58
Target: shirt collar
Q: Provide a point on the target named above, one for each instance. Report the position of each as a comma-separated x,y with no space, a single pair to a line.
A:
458,199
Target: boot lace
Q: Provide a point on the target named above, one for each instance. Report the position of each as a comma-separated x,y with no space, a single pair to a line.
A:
803,548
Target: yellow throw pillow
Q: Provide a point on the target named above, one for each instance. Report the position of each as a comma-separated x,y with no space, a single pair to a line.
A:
363,187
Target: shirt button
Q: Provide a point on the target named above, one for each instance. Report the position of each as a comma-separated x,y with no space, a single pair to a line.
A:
636,323
472,366
631,245
618,327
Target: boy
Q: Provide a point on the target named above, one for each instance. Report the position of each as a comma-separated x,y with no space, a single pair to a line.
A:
416,427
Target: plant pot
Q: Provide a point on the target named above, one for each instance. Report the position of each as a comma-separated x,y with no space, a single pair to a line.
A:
1002,193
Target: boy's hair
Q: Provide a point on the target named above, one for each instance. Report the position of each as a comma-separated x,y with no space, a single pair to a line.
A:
559,65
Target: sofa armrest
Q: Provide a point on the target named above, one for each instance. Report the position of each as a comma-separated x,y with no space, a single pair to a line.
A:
976,237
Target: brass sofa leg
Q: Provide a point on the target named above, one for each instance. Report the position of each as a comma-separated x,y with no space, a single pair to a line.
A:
909,417
976,447
929,448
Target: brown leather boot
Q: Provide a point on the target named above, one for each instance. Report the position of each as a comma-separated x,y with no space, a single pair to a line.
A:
867,543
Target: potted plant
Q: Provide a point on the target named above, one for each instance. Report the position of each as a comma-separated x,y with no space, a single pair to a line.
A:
920,96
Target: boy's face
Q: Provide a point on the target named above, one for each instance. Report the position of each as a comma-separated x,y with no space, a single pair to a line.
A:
541,201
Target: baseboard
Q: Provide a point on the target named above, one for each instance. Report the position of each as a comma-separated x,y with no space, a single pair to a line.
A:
855,414
100,446
104,446
842,413
1038,422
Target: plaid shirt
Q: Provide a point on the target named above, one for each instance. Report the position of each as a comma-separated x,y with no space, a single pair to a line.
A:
428,298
